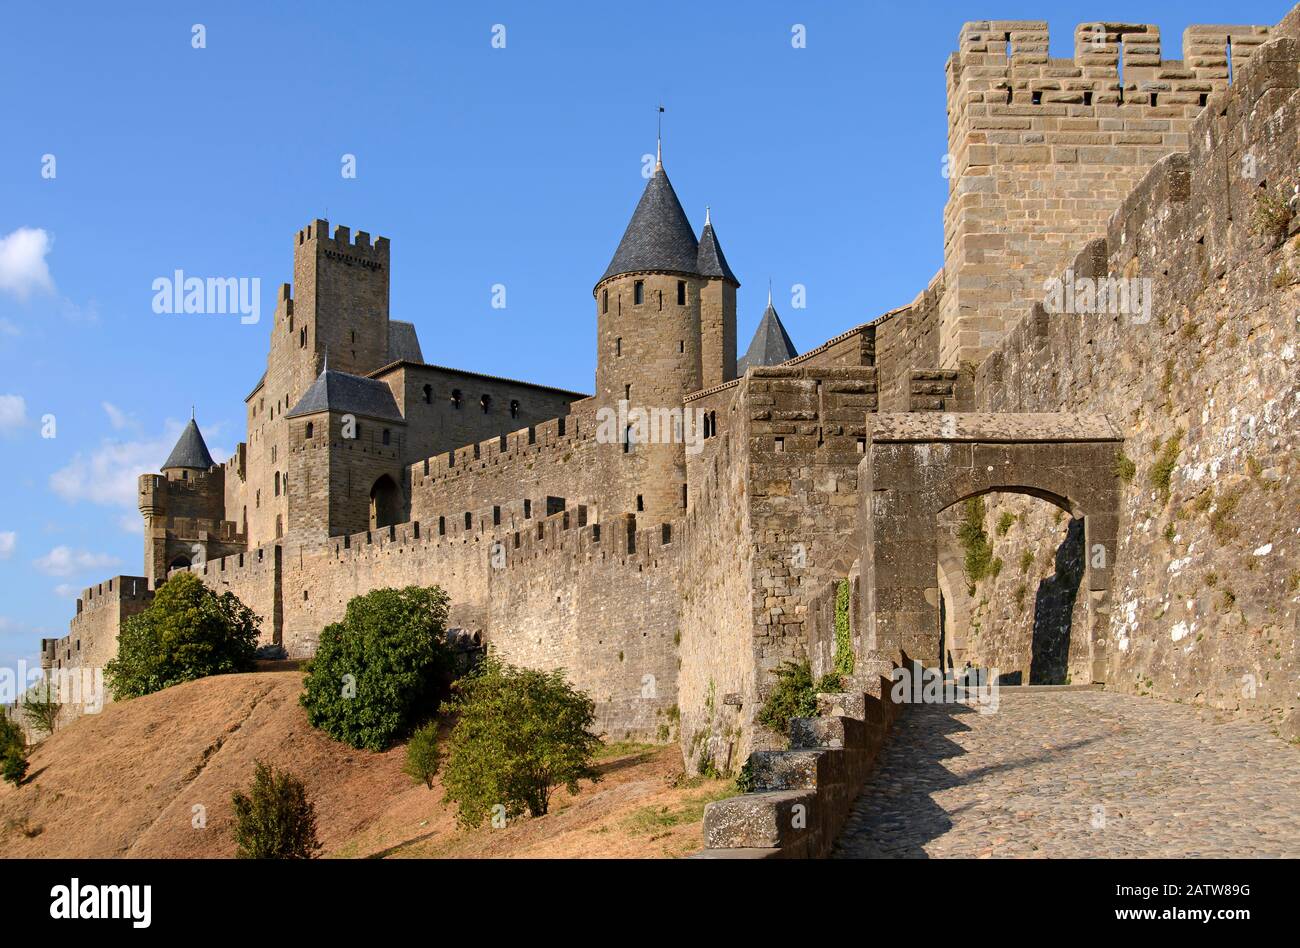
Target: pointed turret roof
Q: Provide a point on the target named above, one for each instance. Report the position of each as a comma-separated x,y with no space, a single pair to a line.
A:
190,450
659,237
343,392
710,261
771,344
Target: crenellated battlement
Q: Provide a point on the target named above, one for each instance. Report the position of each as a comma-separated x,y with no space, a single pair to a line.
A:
201,528
1103,50
344,243
114,590
546,438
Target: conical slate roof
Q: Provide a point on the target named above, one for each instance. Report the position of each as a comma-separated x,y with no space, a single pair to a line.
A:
343,392
771,344
190,450
659,237
710,261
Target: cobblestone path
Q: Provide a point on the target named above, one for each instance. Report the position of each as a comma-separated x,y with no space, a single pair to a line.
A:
1077,773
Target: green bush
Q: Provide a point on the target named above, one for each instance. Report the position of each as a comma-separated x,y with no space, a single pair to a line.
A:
794,695
275,820
422,754
520,735
188,632
381,669
1006,522
13,751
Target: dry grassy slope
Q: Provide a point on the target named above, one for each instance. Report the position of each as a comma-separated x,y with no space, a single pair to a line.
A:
125,783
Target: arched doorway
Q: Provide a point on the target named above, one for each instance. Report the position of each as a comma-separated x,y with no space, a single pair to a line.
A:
180,562
385,503
920,464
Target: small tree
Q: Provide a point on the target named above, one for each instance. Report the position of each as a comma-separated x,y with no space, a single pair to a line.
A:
520,735
381,669
188,632
422,754
275,820
13,750
40,707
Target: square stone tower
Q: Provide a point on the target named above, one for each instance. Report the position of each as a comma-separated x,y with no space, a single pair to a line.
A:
1042,151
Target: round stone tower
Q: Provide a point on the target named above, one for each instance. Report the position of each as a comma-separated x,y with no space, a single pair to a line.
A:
650,355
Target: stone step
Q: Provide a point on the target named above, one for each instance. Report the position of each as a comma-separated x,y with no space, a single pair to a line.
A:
759,820
848,704
832,731
797,769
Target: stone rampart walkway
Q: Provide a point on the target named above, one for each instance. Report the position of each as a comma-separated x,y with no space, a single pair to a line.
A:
1078,773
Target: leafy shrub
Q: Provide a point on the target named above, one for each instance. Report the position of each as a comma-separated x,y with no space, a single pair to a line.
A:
519,736
422,754
1005,522
188,632
13,751
794,695
381,669
14,769
275,820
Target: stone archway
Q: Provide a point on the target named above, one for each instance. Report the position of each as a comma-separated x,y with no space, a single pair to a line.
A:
385,503
917,464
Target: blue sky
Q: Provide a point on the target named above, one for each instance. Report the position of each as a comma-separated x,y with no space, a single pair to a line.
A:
517,166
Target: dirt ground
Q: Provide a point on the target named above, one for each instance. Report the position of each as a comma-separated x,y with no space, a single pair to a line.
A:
153,777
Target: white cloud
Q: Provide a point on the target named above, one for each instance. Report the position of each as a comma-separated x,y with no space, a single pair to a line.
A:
13,413
131,523
8,540
66,591
22,262
65,561
108,475
116,417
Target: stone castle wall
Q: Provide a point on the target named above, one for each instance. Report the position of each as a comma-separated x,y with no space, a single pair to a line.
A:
1208,593
599,600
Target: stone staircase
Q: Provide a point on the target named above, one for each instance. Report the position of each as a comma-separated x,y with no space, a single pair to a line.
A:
802,795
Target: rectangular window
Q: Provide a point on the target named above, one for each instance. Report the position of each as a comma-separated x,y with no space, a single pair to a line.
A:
638,292
496,516
469,520
780,444
618,346
681,292
528,509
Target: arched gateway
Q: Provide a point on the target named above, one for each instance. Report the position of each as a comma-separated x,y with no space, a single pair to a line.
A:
919,463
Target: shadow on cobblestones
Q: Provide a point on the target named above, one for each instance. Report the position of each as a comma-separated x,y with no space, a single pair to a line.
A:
1077,773
899,806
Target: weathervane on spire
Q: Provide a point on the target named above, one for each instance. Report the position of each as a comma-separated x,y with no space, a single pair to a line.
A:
769,291
706,215
659,138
